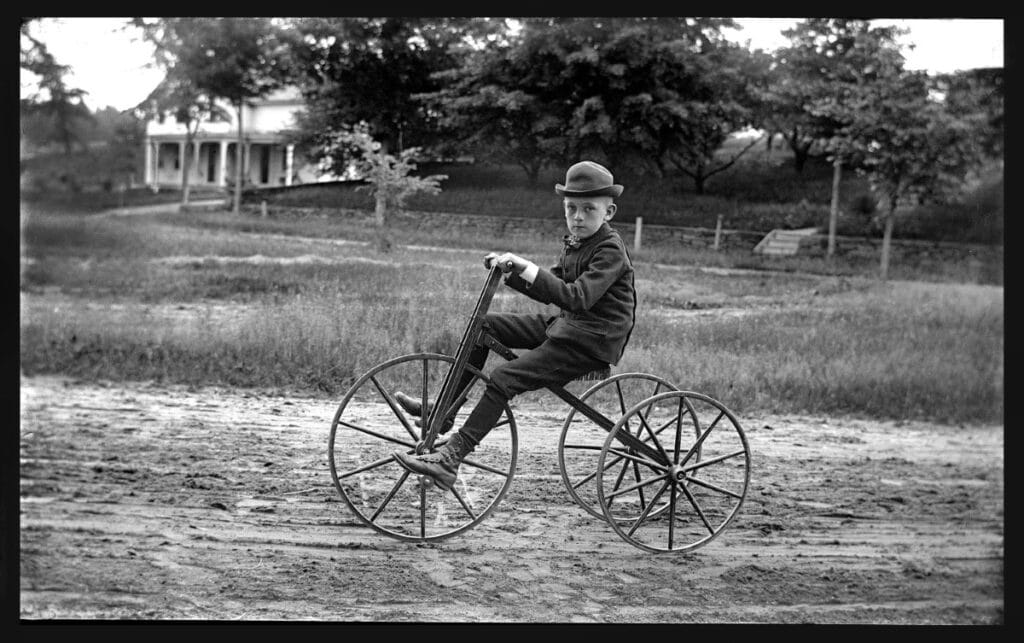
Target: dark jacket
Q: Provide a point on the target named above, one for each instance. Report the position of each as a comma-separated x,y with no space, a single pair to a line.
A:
593,285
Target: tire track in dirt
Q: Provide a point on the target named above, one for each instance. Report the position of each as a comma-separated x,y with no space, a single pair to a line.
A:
155,502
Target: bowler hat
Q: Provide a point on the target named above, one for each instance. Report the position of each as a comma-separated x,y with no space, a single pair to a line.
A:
587,178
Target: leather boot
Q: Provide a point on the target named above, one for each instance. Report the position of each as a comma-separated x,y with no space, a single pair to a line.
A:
441,466
414,408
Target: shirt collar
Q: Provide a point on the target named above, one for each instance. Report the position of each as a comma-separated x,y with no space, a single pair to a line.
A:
572,241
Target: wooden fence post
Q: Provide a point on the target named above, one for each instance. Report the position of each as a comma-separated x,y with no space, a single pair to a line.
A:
636,233
718,233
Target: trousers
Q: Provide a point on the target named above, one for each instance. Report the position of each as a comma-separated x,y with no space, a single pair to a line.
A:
545,362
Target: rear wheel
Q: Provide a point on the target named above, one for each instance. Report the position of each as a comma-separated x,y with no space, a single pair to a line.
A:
581,440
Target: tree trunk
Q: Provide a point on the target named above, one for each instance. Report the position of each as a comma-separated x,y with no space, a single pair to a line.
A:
380,211
236,206
833,215
799,159
698,183
380,215
532,173
186,167
887,241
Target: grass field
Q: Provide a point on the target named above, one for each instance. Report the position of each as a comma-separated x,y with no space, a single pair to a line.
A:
221,299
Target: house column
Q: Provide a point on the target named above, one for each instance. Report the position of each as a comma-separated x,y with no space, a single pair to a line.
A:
155,172
182,149
222,160
147,177
289,159
246,163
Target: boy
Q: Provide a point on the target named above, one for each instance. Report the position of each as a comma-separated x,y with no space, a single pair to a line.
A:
592,284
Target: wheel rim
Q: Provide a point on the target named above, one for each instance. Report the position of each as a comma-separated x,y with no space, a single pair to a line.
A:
704,481
369,426
581,440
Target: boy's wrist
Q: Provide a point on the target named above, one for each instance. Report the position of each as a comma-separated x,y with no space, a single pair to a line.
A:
529,273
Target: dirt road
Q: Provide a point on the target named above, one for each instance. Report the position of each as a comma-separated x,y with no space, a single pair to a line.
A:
153,502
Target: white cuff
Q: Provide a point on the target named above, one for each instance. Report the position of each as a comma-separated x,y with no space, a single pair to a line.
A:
529,273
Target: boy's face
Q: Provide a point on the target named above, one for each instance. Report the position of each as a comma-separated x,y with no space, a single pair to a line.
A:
584,215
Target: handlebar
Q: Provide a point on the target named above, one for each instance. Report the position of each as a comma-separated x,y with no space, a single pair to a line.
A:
508,265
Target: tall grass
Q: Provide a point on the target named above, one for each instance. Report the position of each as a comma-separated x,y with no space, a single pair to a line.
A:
149,299
899,350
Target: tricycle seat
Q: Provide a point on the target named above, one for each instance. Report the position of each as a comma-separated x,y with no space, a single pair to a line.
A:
595,375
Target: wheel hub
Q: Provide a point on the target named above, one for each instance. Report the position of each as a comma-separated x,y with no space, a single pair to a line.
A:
677,474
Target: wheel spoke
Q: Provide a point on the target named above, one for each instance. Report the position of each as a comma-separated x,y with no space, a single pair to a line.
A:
618,480
696,507
373,465
391,494
424,394
653,434
590,476
650,464
708,485
423,508
622,404
381,436
679,432
462,502
715,460
643,515
582,447
486,467
636,477
671,516
703,436
619,492
647,412
394,408
622,399
459,401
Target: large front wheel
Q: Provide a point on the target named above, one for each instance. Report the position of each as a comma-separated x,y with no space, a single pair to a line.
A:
701,471
370,425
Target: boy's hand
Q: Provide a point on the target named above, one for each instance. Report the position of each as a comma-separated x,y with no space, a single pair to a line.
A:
508,261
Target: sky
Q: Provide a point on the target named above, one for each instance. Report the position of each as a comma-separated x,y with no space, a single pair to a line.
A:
115,66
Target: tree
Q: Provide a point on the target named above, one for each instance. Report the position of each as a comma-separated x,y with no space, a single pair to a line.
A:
605,88
831,66
978,92
675,104
353,70
389,177
911,144
502,104
61,107
237,59
824,54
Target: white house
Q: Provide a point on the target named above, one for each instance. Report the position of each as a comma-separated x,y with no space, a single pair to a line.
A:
266,159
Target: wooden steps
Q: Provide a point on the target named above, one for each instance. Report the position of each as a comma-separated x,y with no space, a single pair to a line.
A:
783,242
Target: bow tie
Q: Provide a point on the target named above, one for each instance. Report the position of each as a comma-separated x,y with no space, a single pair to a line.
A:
571,241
